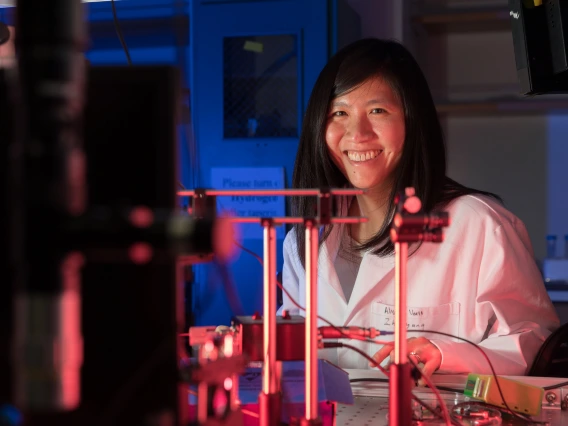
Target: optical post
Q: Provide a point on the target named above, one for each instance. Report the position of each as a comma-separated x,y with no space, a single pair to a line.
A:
410,225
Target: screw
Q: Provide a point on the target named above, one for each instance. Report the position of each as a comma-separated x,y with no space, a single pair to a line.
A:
550,397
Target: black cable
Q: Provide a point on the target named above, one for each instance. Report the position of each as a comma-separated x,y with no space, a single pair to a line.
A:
373,361
191,146
230,288
519,416
369,379
445,412
119,33
187,122
279,284
559,385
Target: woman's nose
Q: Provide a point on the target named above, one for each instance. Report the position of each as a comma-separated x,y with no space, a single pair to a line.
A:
360,129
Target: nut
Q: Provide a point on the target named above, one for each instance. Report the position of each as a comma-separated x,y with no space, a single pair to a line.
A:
550,397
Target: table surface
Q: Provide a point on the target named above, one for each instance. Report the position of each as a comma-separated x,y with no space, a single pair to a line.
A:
371,400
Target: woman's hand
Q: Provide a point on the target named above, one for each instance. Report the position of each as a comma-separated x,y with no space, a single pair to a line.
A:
421,350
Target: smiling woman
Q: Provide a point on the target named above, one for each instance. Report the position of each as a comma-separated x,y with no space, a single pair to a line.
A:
365,134
365,137
371,123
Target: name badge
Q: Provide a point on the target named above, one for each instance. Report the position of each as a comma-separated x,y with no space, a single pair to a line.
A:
443,318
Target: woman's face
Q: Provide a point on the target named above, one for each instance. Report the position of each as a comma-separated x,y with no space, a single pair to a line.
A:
365,134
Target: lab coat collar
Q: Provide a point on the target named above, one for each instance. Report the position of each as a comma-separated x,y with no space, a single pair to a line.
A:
374,274
326,264
373,271
330,249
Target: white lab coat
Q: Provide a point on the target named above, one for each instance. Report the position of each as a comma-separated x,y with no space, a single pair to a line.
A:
482,280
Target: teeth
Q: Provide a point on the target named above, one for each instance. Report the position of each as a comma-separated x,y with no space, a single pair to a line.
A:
362,156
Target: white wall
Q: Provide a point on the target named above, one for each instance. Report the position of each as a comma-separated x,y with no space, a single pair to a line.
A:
505,155
501,153
557,177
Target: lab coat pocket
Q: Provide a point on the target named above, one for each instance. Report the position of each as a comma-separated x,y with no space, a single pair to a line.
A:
442,318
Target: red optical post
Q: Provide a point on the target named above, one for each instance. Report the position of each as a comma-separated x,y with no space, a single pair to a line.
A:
410,225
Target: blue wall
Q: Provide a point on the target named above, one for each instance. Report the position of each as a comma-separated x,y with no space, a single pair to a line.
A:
213,22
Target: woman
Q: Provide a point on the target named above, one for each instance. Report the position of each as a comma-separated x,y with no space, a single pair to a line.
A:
371,123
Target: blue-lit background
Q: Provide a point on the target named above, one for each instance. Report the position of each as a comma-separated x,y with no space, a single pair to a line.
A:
248,69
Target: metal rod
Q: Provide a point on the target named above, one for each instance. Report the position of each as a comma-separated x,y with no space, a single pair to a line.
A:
269,399
399,381
401,257
207,352
234,394
282,220
202,405
312,246
267,192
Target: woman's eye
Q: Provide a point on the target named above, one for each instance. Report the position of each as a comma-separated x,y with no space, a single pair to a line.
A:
338,113
377,110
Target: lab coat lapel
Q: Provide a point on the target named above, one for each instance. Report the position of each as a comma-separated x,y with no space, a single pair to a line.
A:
327,273
374,273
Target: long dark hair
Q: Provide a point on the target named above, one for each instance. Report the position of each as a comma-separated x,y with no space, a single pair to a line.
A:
423,161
